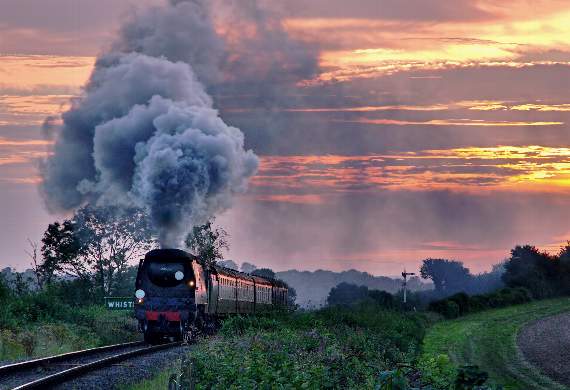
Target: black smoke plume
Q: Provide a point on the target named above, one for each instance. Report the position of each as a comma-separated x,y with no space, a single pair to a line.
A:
145,131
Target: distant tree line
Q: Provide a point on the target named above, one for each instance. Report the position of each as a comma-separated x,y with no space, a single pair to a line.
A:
528,274
450,277
347,294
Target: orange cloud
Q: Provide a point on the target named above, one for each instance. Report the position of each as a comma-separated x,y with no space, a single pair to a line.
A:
449,122
531,168
29,71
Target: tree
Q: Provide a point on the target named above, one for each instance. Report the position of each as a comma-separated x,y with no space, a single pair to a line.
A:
532,269
448,276
60,252
264,273
248,267
36,263
110,238
382,298
207,243
4,290
564,263
291,296
229,264
97,243
347,294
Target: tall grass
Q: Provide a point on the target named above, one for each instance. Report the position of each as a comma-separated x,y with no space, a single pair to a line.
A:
337,347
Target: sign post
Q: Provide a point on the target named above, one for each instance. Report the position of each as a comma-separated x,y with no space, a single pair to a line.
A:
119,303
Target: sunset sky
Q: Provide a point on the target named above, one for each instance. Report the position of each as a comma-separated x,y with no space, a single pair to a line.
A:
432,128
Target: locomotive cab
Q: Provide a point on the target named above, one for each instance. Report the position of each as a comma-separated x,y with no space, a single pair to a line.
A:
166,290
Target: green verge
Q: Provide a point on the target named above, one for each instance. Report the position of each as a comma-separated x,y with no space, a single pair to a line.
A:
336,347
488,339
159,381
81,328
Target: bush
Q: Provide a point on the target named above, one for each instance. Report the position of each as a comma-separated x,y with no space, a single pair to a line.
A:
58,319
461,304
445,307
336,347
382,298
438,371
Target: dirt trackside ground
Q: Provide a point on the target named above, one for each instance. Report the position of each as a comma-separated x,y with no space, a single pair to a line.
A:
546,344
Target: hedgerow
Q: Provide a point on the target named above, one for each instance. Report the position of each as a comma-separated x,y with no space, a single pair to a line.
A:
461,304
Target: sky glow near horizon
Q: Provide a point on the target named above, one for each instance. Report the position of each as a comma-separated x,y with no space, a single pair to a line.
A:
431,130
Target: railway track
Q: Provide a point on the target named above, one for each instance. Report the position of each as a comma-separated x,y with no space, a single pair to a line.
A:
55,370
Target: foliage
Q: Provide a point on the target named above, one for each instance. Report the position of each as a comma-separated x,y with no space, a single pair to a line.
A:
228,264
392,380
248,267
451,277
470,377
447,275
264,273
461,304
335,347
60,252
347,294
96,244
382,298
59,318
537,271
268,273
488,340
291,297
110,237
438,370
207,242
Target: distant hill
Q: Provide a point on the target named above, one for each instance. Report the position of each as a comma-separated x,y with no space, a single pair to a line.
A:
313,287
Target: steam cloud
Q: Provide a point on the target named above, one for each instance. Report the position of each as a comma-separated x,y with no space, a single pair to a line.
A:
145,131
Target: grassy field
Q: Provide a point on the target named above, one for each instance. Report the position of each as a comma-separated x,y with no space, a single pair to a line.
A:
488,339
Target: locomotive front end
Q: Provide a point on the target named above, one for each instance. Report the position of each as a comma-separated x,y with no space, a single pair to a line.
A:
165,303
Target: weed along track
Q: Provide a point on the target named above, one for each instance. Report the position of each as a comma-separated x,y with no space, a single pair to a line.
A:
56,370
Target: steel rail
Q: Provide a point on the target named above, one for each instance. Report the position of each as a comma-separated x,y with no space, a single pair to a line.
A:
66,375
30,364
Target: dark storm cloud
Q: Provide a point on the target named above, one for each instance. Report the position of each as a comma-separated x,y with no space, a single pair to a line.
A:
145,131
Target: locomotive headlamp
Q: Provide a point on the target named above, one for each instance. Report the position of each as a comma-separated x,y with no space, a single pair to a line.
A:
139,294
191,283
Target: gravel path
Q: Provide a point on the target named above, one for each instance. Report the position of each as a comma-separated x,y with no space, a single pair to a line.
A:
546,344
21,377
127,372
130,371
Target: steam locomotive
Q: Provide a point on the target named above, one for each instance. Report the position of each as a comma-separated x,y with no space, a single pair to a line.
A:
178,295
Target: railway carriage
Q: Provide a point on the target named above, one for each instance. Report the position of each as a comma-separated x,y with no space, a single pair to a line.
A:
177,294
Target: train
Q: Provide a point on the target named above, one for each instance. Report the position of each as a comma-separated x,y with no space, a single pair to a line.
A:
177,295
